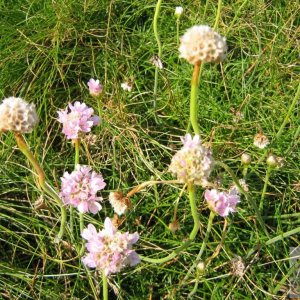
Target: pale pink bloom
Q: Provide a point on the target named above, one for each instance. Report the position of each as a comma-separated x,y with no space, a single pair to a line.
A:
222,203
109,249
126,86
193,162
95,87
80,188
79,118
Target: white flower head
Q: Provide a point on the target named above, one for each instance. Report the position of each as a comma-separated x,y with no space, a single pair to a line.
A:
17,115
156,61
119,202
126,86
178,11
201,43
260,141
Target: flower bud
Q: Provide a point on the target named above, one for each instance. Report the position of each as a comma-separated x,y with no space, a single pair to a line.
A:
245,159
178,11
201,267
272,161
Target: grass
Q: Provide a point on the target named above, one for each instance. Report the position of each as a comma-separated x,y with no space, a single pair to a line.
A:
49,50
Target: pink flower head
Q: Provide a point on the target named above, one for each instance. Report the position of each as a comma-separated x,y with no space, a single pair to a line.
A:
95,87
193,162
222,203
79,119
109,249
80,188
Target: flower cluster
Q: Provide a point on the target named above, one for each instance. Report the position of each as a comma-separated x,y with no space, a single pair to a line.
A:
109,249
80,188
202,43
95,87
17,115
79,119
119,202
193,162
222,203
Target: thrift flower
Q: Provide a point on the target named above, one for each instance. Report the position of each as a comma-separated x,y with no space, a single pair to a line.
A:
202,44
80,188
95,87
126,86
222,203
119,202
79,119
237,266
260,141
109,249
246,159
178,11
17,115
193,162
156,61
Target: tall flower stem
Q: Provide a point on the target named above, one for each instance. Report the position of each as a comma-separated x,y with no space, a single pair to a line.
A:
48,189
193,101
81,220
267,177
203,246
104,286
218,14
155,30
192,235
177,29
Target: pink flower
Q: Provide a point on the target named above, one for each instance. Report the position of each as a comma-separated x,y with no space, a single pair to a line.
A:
80,188
193,162
78,119
222,203
95,87
109,249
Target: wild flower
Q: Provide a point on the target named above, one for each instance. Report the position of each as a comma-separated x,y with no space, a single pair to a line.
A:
126,86
260,141
109,249
80,188
156,61
78,119
222,203
95,87
17,115
201,43
193,162
119,202
178,11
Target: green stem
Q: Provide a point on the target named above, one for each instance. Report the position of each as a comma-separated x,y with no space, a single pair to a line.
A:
77,147
177,29
155,30
248,199
288,113
192,235
267,177
105,287
194,103
203,246
282,236
42,180
81,226
218,14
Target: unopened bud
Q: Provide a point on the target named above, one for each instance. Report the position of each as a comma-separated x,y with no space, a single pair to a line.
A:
201,267
178,11
272,161
174,226
245,159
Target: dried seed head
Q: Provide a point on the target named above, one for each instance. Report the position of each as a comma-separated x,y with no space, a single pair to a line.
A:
260,141
119,202
174,226
17,115
202,43
237,266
